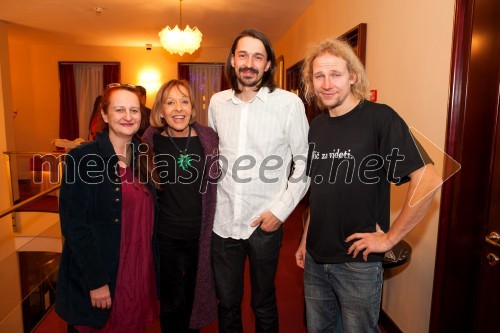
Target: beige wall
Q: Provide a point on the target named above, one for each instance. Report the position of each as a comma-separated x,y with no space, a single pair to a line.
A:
407,61
35,81
10,287
6,144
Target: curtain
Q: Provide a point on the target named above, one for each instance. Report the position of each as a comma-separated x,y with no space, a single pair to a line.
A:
89,85
224,83
110,74
205,80
183,72
77,94
68,116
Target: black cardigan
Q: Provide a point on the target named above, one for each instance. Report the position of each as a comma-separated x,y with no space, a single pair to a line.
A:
90,205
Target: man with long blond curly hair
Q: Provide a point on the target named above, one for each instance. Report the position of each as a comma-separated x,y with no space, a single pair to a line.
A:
356,150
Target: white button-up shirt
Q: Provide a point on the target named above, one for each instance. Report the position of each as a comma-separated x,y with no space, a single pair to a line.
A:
257,140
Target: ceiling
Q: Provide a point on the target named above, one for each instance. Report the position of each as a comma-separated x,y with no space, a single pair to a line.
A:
137,22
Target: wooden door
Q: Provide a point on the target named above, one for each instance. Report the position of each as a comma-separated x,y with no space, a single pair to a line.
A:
294,84
489,297
466,294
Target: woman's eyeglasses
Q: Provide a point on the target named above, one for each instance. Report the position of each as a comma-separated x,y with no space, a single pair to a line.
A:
117,85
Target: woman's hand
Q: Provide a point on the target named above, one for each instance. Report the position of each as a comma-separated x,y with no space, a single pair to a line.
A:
101,297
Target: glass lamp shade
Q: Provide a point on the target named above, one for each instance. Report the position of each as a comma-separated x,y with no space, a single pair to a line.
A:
180,41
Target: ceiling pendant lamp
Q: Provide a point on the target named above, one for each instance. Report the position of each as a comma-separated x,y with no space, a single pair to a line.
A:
180,41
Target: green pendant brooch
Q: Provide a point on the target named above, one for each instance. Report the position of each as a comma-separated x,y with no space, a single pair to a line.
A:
184,160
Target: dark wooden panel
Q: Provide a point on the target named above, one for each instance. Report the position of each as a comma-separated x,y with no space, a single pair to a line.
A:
472,123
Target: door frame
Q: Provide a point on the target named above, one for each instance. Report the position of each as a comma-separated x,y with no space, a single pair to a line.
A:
470,140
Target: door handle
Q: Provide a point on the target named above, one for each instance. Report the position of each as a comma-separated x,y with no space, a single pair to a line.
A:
493,239
492,259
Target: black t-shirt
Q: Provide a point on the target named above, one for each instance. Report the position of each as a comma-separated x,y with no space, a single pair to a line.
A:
180,199
351,161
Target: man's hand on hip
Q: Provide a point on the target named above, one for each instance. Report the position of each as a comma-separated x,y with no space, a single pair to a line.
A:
366,243
268,222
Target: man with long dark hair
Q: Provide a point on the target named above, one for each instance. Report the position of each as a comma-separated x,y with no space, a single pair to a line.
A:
262,129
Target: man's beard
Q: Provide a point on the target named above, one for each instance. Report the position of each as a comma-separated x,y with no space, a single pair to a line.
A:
250,82
331,104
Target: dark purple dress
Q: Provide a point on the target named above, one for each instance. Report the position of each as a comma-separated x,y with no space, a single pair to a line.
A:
135,303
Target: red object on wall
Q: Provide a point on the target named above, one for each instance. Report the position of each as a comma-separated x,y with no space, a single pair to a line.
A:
373,95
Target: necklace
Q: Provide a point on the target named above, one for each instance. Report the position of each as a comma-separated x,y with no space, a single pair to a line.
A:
184,160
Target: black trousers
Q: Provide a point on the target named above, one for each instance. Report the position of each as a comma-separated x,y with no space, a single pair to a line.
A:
71,329
228,258
178,266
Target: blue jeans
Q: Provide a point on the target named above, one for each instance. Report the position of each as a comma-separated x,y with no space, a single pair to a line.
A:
228,259
342,297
